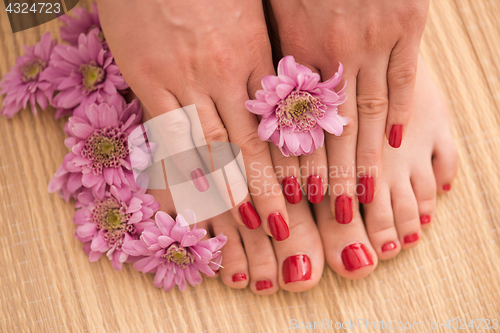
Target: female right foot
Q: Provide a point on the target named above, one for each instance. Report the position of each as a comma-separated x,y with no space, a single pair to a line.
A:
412,175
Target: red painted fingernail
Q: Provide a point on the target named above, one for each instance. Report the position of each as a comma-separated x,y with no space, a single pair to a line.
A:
278,226
249,216
239,277
291,189
264,284
199,180
343,209
396,136
314,189
389,246
424,219
216,271
355,256
365,189
447,187
411,238
297,268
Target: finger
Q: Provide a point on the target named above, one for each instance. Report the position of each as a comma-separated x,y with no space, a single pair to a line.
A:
213,145
171,130
371,99
314,173
288,174
341,152
263,185
401,76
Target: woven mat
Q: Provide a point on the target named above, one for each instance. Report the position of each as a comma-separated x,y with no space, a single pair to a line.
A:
48,284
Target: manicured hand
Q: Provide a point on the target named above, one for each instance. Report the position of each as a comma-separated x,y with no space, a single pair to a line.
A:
377,42
212,54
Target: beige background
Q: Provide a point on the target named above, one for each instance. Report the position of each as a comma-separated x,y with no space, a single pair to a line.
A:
47,283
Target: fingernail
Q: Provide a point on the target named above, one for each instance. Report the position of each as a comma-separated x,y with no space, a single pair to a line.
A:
314,189
199,180
216,271
343,209
239,277
355,256
389,246
249,216
411,238
396,136
278,226
297,268
264,284
291,189
365,189
447,187
424,219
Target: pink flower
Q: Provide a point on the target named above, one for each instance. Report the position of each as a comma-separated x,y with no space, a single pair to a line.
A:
105,224
26,81
98,139
296,107
175,253
84,22
83,74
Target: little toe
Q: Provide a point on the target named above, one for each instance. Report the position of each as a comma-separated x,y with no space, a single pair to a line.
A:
234,272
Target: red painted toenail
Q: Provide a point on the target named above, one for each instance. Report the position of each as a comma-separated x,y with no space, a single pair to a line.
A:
291,190
278,226
425,219
264,284
355,256
389,246
249,216
239,277
314,189
365,189
343,209
447,187
396,136
297,268
411,238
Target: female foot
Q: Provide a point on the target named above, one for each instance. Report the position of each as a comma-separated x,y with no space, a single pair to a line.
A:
412,175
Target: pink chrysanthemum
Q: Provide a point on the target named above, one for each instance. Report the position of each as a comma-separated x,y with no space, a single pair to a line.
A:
176,253
83,22
26,81
83,74
98,139
296,108
105,225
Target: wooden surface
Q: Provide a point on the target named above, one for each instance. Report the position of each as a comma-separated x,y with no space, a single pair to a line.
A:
48,284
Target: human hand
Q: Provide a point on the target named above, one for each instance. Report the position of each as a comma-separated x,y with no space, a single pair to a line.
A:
377,42
210,54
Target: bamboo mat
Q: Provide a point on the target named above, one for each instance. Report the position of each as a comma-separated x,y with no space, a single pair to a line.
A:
48,284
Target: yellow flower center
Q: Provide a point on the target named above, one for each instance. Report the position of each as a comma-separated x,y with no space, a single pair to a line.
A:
92,75
32,69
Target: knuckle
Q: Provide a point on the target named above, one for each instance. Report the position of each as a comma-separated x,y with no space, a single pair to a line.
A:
215,133
252,146
402,78
372,106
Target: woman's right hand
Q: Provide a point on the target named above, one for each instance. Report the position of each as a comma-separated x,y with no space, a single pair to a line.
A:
212,54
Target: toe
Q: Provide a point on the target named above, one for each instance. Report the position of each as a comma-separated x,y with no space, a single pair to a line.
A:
424,187
234,273
445,164
262,263
300,256
405,210
379,221
347,248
